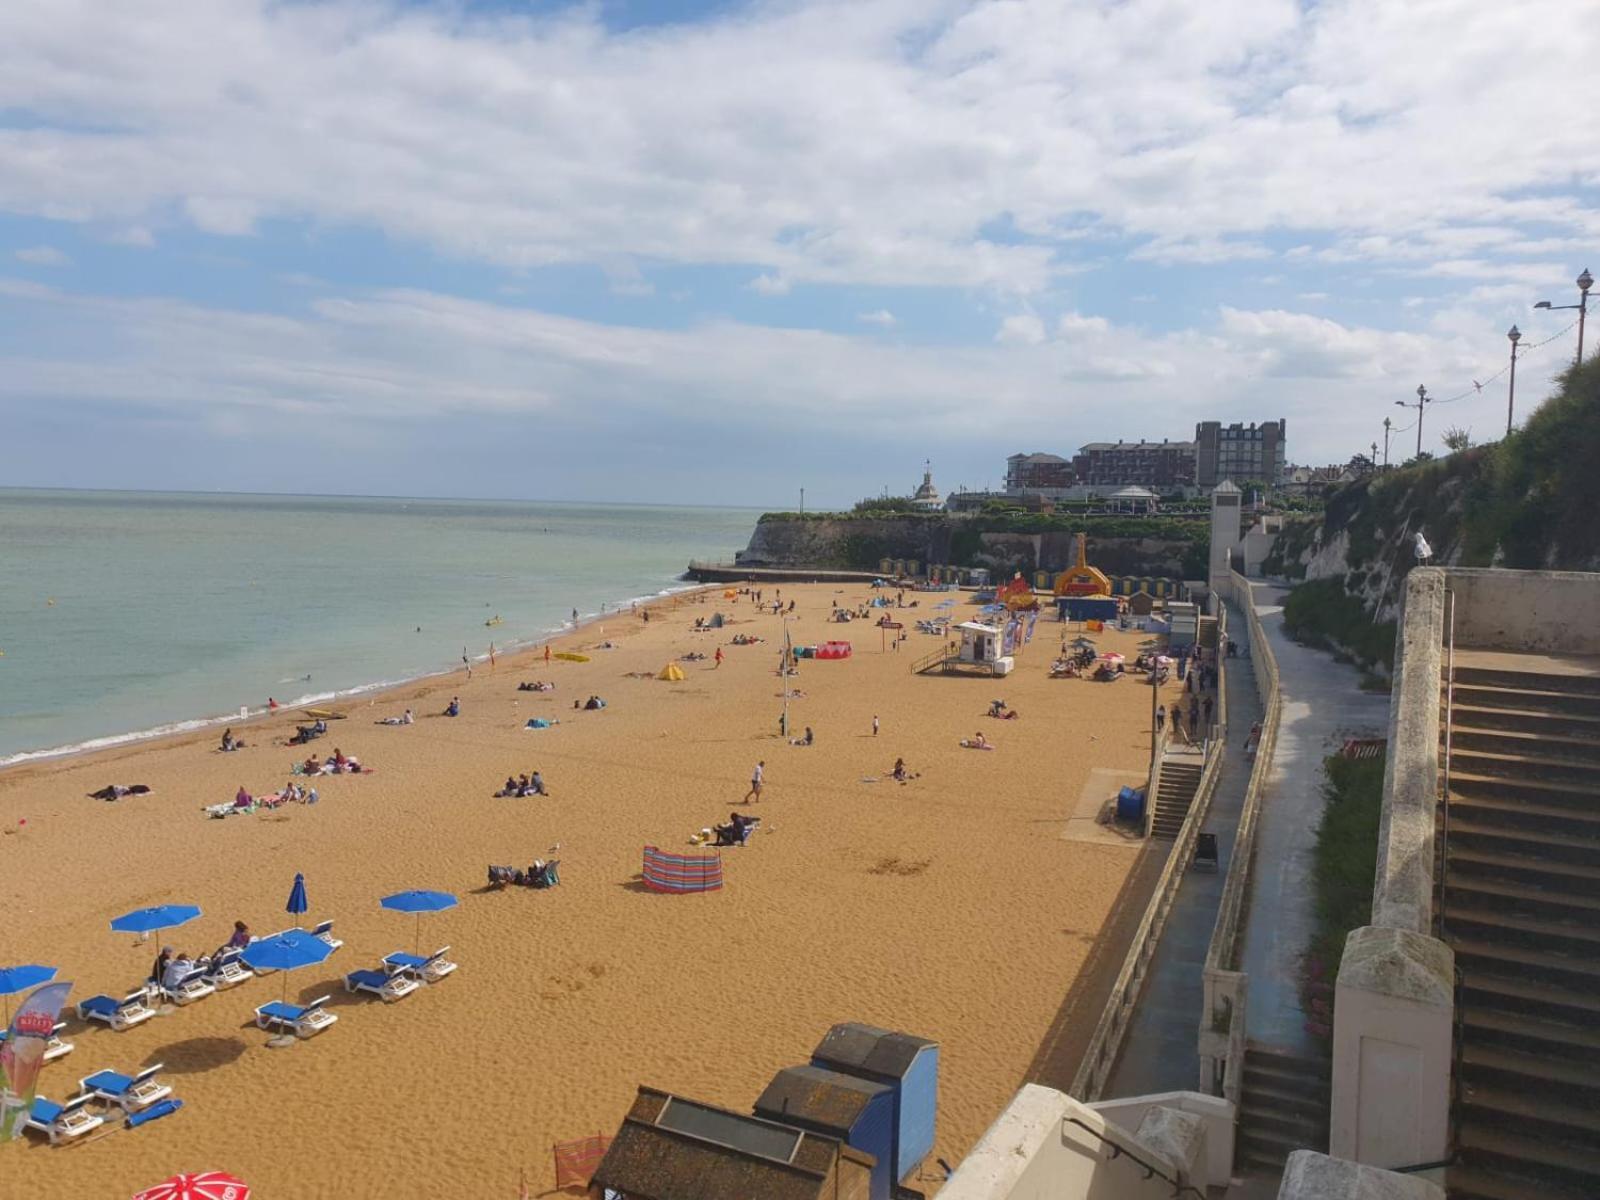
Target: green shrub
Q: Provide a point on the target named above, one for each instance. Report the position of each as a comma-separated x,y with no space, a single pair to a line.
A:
1323,614
1345,859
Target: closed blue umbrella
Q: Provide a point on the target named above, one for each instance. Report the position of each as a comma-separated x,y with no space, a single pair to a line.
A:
298,903
145,921
285,952
20,979
419,902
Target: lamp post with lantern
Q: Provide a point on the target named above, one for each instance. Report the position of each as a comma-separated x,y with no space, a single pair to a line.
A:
1584,282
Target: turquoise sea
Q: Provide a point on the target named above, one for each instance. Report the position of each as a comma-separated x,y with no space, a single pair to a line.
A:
126,613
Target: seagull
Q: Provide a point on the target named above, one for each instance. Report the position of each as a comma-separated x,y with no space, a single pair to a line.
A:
554,848
1424,551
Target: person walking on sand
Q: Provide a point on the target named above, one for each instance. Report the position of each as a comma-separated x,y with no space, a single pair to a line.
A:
547,652
1161,718
755,783
718,657
874,724
574,616
466,662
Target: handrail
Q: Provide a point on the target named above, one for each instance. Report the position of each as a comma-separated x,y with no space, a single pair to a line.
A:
1118,1150
1427,1166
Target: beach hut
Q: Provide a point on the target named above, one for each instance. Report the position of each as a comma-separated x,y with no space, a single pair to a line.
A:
671,1148
908,1065
858,1112
672,673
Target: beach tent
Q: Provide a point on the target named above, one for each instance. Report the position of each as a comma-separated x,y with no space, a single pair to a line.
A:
833,650
717,621
665,872
672,672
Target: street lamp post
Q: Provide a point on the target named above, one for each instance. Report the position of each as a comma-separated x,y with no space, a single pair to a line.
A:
1421,404
1386,424
1515,336
1584,282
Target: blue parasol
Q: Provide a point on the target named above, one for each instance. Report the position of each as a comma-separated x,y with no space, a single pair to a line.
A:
145,921
298,903
284,952
419,902
20,979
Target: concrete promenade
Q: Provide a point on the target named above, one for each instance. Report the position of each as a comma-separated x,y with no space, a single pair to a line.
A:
1161,1052
1322,705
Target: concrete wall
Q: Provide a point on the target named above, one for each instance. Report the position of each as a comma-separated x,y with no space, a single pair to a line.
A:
1536,611
1033,1152
1216,1165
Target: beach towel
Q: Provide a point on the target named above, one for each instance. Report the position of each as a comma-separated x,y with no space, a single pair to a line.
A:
680,873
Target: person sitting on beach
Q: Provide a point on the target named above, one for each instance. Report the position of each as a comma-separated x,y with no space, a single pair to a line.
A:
242,798
536,785
320,728
312,766
228,744
340,762
509,787
179,968
453,709
396,720
978,742
158,972
899,774
809,738
237,940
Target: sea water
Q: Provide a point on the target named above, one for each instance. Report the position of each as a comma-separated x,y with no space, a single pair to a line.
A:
126,613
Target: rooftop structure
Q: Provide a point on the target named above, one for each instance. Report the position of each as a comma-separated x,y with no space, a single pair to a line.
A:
1239,451
1164,464
1038,472
927,496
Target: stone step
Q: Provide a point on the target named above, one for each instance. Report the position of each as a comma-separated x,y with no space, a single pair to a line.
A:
1531,963
1473,716
1256,1116
1532,1113
1574,937
1521,1070
1529,765
1543,746
1549,846
1491,1180
1294,1066
1535,1035
1269,1148
1489,986
1528,681
1552,874
1519,897
1516,812
1276,1093
1470,783
1499,1163
1537,700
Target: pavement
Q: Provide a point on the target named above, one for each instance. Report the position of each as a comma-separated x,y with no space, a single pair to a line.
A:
1322,705
1161,1050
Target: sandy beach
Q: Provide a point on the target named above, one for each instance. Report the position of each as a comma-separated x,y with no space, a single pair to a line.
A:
959,906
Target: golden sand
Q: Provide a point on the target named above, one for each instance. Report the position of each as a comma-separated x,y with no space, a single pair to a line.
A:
951,907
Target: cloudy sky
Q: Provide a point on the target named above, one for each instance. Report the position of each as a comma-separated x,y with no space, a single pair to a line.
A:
716,251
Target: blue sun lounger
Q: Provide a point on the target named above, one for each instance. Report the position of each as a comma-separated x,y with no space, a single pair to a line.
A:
228,970
301,1020
387,987
119,1014
430,969
130,1093
324,931
54,1047
193,986
63,1122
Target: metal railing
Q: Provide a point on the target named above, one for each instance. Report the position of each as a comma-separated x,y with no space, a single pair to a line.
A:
1118,1150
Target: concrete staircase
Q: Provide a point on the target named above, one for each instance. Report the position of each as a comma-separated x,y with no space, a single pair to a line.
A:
1180,779
1283,1107
1520,905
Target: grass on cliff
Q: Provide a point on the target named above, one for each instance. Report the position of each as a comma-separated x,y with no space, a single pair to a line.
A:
1323,614
1343,872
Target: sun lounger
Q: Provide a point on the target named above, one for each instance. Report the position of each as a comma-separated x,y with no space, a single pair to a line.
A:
54,1047
119,1014
325,932
63,1122
227,970
130,1093
430,970
381,984
301,1020
193,986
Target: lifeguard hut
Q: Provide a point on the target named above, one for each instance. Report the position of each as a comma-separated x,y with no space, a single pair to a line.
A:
983,646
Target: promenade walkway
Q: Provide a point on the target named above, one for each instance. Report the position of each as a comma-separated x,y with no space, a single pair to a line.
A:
1322,705
1161,1051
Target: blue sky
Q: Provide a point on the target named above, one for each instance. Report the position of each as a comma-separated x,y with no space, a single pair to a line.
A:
718,251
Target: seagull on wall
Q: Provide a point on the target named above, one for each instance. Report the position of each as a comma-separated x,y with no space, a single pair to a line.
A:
1424,551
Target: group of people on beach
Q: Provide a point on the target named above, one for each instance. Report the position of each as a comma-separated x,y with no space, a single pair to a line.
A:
171,967
524,785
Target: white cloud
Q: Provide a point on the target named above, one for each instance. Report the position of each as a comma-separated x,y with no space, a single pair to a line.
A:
43,256
831,141
770,285
880,316
132,235
1021,329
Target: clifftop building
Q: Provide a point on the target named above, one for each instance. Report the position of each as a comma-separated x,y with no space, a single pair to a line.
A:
1239,452
927,497
1153,465
1038,472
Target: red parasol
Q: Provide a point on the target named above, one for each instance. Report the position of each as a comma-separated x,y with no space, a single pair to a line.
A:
206,1185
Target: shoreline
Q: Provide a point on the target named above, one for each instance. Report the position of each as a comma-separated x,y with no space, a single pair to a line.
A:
183,727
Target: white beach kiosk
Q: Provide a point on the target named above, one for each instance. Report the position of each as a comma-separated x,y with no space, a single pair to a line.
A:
982,645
